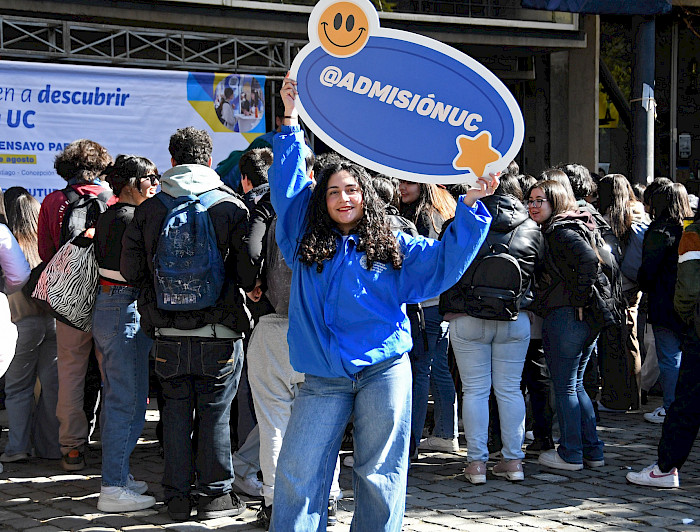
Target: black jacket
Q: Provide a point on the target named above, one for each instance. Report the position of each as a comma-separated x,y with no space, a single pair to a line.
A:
571,266
139,244
658,272
508,216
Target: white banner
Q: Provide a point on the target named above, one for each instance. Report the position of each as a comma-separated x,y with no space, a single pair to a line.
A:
132,111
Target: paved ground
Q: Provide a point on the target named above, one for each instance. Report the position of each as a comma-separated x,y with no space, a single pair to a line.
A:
38,496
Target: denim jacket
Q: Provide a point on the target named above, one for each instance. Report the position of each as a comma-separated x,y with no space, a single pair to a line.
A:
349,317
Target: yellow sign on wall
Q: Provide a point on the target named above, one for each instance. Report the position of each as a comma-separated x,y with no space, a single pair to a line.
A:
608,116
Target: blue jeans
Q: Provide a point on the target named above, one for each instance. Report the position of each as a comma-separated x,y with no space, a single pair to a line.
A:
124,346
30,422
431,372
380,399
197,375
567,348
491,352
668,353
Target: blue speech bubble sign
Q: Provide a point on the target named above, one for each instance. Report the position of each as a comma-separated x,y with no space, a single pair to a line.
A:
400,103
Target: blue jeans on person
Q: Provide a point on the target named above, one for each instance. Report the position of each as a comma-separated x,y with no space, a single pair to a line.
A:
380,399
197,375
431,372
668,353
567,348
124,346
30,422
490,352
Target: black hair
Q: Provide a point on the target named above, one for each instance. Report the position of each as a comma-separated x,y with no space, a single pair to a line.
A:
670,203
509,186
651,189
254,165
327,159
638,189
228,92
384,188
190,145
526,182
128,170
580,178
458,189
513,168
320,240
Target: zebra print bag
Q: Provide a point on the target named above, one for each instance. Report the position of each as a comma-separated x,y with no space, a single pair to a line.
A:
68,284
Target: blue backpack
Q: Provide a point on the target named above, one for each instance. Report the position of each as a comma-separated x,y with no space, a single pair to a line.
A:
188,267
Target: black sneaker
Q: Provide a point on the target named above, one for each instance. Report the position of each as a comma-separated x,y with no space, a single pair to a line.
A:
539,445
74,460
263,517
179,508
225,505
332,512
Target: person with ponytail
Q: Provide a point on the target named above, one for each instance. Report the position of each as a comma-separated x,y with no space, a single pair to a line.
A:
118,335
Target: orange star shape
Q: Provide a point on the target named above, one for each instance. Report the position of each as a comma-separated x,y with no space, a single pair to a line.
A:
475,153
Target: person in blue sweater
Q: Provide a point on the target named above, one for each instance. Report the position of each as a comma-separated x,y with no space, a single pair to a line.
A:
348,330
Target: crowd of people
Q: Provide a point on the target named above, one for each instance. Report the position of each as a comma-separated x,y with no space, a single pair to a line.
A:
330,297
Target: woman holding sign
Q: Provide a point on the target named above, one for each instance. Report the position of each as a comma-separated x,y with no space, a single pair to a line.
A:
348,330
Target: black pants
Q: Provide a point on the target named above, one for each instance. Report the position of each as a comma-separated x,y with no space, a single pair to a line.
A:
683,416
536,381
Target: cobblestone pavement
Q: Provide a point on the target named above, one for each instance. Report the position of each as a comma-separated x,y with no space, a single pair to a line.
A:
38,496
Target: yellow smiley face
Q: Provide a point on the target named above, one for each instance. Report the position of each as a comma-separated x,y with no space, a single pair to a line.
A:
343,29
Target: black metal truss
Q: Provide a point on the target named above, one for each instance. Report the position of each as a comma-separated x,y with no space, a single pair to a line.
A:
79,42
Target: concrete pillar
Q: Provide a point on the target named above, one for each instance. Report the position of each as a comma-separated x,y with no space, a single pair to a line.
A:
583,97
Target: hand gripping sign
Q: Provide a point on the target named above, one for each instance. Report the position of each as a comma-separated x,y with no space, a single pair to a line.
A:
400,103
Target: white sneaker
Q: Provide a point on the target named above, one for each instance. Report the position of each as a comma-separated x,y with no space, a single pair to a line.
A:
137,486
552,459
349,461
657,416
433,443
652,476
249,485
115,499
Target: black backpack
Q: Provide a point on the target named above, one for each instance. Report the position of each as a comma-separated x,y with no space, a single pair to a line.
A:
493,290
82,212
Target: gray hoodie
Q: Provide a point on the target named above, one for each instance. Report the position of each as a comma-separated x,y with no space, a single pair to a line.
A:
186,179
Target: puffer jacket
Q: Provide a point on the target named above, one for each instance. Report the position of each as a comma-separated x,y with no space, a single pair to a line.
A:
658,272
571,266
688,280
508,216
230,220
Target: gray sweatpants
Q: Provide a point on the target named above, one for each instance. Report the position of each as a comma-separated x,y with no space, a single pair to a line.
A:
274,383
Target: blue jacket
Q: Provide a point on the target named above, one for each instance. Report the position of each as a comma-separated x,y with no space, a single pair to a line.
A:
347,317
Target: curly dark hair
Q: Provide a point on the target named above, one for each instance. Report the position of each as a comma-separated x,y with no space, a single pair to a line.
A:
83,160
190,145
320,241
